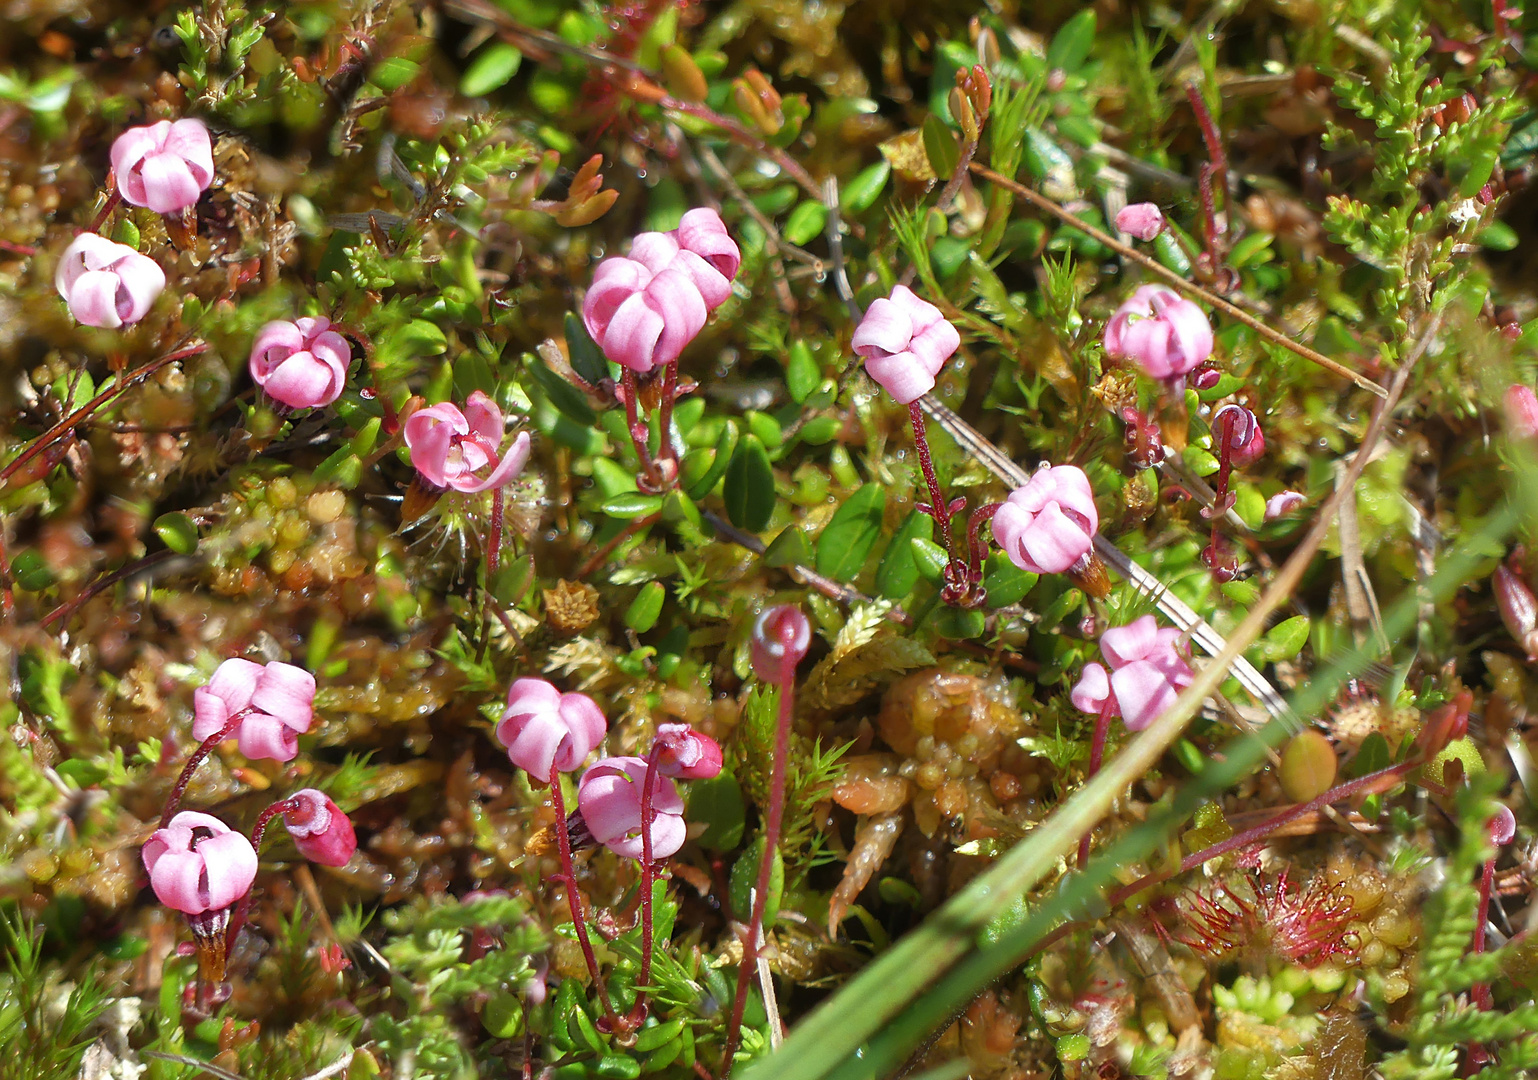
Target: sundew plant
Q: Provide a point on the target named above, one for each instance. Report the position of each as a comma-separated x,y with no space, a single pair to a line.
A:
830,541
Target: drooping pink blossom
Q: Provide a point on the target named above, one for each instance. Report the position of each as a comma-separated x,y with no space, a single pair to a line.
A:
1048,524
199,864
1155,328
462,450
780,639
609,799
300,363
1147,673
107,284
1283,503
1521,411
320,830
905,341
1236,434
1142,220
681,751
642,309
274,701
543,728
164,166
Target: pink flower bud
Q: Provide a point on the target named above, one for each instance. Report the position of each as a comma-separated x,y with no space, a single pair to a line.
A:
1521,411
905,342
781,637
681,751
609,799
107,284
198,864
1502,828
643,309
164,166
1147,673
321,831
1283,503
1236,434
277,701
1160,332
461,450
1142,220
543,728
1519,609
301,364
1049,523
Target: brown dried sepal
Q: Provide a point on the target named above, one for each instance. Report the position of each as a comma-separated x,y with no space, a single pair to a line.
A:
571,607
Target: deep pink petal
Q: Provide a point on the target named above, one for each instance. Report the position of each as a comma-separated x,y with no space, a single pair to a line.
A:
484,418
714,288
509,466
702,232
654,250
632,335
429,439
682,308
273,343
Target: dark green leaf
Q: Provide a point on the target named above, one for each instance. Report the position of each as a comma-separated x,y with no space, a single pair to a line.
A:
749,491
717,804
562,394
929,558
745,880
940,147
646,608
898,572
847,539
583,352
790,548
632,504
802,375
1006,583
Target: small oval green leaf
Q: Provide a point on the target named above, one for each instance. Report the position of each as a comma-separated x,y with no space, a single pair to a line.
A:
178,532
646,608
851,533
496,63
898,573
631,505
749,490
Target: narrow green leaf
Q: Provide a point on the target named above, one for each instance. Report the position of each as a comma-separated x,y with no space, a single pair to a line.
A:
646,608
631,505
851,533
1071,44
805,221
940,147
862,191
583,352
802,375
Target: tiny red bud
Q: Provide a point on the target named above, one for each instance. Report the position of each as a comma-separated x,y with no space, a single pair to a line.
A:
780,639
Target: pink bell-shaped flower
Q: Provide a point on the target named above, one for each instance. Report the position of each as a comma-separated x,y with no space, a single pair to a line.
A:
199,864
644,308
681,751
1521,406
275,702
462,450
1236,435
1048,524
609,799
781,637
164,166
543,728
301,364
1142,220
905,342
1147,673
107,284
321,831
1165,335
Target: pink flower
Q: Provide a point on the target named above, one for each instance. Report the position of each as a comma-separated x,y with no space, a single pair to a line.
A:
1521,411
322,832
107,284
1518,608
1147,673
1236,434
274,701
905,342
781,637
1502,828
301,364
453,449
1283,503
681,751
1048,524
609,799
1142,220
164,166
543,728
1160,332
199,864
643,309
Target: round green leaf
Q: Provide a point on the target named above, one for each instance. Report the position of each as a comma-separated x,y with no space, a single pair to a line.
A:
495,64
177,531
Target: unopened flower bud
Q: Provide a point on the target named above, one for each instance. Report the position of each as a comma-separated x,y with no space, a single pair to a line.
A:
1519,609
321,831
1283,503
780,639
683,76
681,751
1143,220
1236,434
1521,411
1502,828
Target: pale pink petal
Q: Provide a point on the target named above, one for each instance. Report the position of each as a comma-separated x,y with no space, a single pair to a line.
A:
188,139
654,250
169,185
287,692
1142,220
536,743
702,232
1142,692
142,282
1091,691
631,337
484,418
264,736
511,465
672,295
903,375
1053,543
93,300
1126,644
231,863
714,288
886,328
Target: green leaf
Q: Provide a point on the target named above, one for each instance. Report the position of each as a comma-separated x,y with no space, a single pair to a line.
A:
717,803
790,548
847,539
394,73
1070,45
646,608
583,352
862,191
802,374
567,399
940,147
929,558
820,429
632,505
1286,638
805,222
1006,583
745,879
703,469
898,572
958,624
749,490
178,532
496,63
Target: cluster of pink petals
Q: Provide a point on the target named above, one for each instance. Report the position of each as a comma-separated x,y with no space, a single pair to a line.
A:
1142,220
905,342
164,166
199,864
1147,673
463,449
781,637
1165,335
276,700
301,364
1283,503
320,830
544,729
609,799
1048,524
681,751
107,284
1237,430
1521,411
642,309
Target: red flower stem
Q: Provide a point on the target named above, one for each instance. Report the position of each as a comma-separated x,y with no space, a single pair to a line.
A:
648,875
939,509
634,426
113,198
1217,166
282,806
1096,757
1480,992
975,547
665,412
569,878
749,966
204,749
